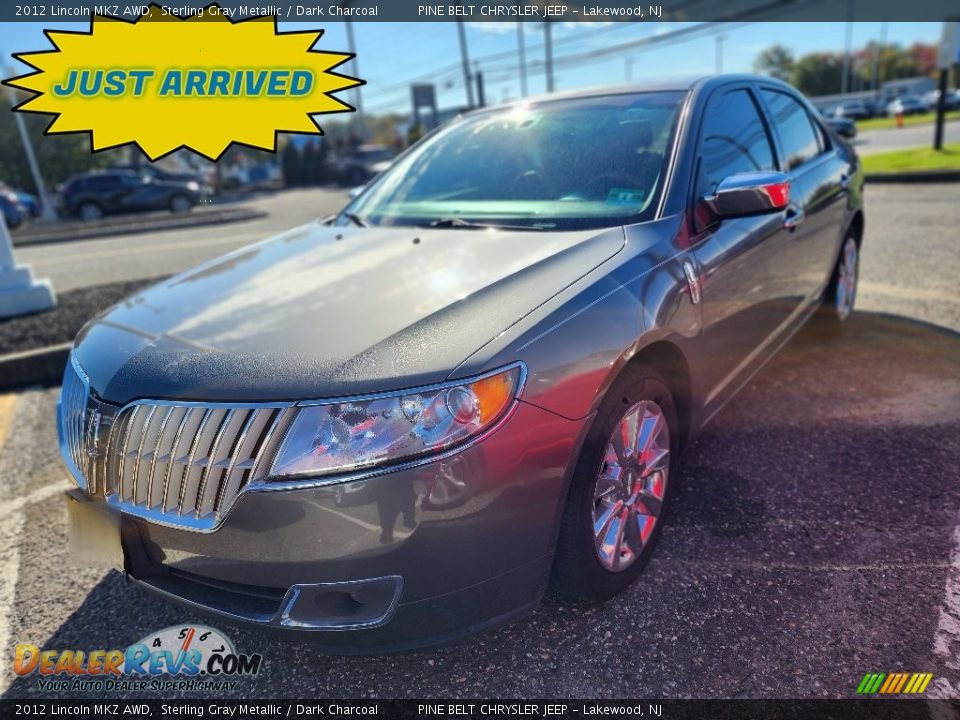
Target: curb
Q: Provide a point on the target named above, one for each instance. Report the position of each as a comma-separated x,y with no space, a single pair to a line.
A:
42,366
86,231
917,176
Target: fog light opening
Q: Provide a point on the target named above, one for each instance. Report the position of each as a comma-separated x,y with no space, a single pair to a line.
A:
332,606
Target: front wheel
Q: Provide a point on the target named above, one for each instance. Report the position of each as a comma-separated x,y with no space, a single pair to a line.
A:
842,292
619,491
180,204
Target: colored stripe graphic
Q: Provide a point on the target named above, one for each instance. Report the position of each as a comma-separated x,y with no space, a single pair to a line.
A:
894,683
891,679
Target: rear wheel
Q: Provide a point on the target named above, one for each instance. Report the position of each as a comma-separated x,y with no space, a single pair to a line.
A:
842,293
620,490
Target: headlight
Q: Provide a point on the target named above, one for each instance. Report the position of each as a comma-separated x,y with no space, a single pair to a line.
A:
339,437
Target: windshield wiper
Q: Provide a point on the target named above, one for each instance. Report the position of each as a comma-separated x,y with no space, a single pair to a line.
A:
355,219
455,222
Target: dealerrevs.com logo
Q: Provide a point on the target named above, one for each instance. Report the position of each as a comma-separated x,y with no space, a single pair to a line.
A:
191,657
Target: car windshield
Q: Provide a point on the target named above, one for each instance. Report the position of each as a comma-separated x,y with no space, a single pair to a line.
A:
558,165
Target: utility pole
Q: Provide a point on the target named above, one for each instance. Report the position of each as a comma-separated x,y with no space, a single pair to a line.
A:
548,51
465,61
628,69
355,71
481,95
948,56
847,49
877,51
522,51
719,57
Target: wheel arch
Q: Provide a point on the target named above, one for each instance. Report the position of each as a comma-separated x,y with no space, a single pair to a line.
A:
669,361
856,227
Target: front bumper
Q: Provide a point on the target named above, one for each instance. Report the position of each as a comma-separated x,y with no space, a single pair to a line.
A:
465,542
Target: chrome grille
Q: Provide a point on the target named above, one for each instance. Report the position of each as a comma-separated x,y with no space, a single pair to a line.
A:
186,464
72,418
180,464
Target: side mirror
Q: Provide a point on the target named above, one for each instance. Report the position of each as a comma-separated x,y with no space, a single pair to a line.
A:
752,193
355,191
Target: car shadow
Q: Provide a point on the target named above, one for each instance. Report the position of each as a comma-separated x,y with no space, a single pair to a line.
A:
817,504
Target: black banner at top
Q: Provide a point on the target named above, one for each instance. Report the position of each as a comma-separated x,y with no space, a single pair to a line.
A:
324,11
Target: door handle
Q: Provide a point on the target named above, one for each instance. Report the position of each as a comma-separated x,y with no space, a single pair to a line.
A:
794,217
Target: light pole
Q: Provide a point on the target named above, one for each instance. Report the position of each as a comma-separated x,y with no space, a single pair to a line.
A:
548,52
719,57
20,294
47,213
355,71
522,51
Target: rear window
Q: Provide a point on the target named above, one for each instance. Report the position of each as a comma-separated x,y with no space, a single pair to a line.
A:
795,128
102,182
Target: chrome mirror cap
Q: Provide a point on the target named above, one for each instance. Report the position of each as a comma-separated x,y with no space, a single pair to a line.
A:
750,193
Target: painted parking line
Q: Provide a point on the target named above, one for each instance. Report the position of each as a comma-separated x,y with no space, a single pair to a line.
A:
946,639
8,406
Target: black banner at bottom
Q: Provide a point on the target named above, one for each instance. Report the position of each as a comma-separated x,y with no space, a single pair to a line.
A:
444,709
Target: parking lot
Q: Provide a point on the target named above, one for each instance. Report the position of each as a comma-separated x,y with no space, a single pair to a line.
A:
814,537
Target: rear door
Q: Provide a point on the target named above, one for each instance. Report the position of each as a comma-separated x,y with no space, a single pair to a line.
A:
748,288
818,190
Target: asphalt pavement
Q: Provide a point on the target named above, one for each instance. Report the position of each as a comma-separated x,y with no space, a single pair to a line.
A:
82,263
870,142
814,537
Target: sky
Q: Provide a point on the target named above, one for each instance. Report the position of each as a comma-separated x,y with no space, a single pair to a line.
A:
391,55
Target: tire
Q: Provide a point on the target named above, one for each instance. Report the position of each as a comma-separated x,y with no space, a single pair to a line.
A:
89,210
180,204
584,569
841,294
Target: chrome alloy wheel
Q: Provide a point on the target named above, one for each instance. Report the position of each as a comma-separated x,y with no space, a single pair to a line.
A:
631,485
847,271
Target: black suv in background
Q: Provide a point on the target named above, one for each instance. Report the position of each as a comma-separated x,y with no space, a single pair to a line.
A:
92,195
361,164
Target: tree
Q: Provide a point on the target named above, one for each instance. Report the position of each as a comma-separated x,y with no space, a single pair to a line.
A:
776,61
59,156
818,74
925,56
292,165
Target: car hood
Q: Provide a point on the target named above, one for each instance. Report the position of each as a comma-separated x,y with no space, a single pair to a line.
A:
325,312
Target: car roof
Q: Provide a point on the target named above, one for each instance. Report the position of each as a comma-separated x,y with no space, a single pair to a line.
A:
675,84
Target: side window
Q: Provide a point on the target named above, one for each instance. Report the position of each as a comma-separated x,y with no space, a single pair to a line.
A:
734,140
795,128
104,182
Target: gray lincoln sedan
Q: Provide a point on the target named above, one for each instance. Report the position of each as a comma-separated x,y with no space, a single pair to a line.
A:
405,423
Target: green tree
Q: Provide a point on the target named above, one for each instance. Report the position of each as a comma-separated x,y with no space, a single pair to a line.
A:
895,62
59,156
776,61
818,74
292,165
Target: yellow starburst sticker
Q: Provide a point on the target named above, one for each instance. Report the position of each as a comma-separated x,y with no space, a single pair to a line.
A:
201,82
